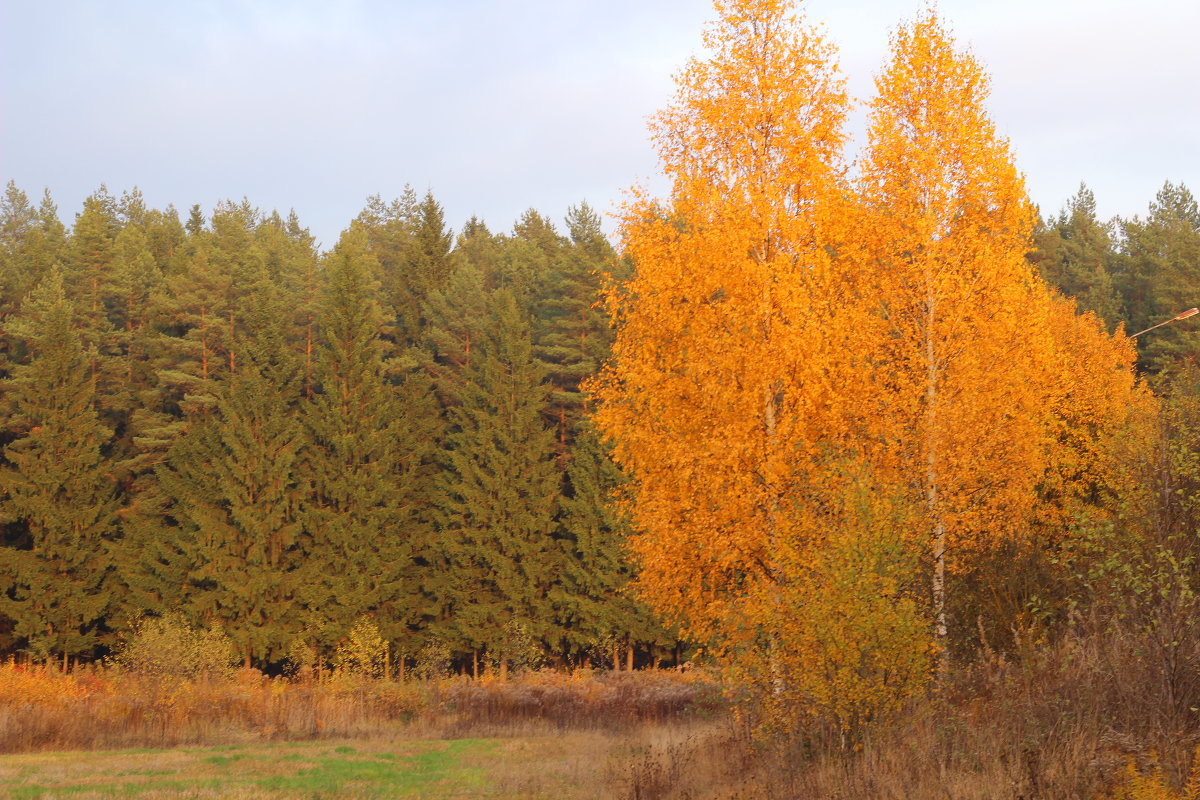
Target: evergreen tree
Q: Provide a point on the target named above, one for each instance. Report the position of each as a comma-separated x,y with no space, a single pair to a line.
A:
591,596
1075,255
206,306
196,222
92,252
166,238
58,498
499,490
234,491
31,242
573,334
371,444
1159,272
531,255
291,262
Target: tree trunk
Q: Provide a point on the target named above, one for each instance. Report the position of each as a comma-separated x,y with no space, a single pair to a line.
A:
932,501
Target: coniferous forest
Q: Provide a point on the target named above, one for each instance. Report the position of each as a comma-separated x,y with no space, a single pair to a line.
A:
207,415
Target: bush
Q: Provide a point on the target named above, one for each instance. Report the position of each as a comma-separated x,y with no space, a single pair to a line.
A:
433,660
364,652
168,646
519,647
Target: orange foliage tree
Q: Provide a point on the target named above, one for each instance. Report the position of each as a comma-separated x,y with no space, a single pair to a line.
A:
720,369
734,353
818,384
958,345
984,381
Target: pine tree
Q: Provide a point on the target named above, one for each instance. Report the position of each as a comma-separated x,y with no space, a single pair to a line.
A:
58,494
206,307
1159,270
32,241
92,251
572,336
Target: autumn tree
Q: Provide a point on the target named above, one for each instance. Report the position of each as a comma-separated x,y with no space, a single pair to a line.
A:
720,379
947,225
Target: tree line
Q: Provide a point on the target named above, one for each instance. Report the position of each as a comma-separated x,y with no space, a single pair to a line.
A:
1133,272
210,417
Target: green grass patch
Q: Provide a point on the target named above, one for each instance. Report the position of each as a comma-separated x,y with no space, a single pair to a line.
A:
309,770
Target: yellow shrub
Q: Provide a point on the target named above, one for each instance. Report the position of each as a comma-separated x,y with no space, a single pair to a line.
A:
1153,784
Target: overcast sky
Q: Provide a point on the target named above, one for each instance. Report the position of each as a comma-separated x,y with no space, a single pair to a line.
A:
501,106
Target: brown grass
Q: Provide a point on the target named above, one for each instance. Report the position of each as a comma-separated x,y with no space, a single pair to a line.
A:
1076,718
1079,717
43,709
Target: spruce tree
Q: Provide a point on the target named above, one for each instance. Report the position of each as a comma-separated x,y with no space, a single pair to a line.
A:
234,491
499,489
1076,256
368,463
59,502
591,596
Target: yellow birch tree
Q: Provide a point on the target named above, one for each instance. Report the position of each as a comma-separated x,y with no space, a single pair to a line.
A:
946,224
992,401
720,375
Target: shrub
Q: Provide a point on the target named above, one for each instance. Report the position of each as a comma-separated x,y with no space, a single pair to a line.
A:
168,646
433,660
364,652
519,647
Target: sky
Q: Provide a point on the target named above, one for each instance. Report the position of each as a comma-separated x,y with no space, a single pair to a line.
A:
314,105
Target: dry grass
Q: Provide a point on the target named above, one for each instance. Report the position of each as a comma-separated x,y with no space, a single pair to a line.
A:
1091,715
1095,714
42,709
568,765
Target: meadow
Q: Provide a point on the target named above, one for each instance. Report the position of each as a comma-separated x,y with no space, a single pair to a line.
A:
109,732
1050,720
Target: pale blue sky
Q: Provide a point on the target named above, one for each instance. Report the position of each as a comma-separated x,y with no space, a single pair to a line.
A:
498,107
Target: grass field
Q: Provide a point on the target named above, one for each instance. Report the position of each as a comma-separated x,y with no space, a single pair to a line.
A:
570,765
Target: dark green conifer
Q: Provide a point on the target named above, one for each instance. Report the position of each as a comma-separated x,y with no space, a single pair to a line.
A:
58,496
234,490
1075,255
499,489
1159,272
573,336
371,446
591,595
